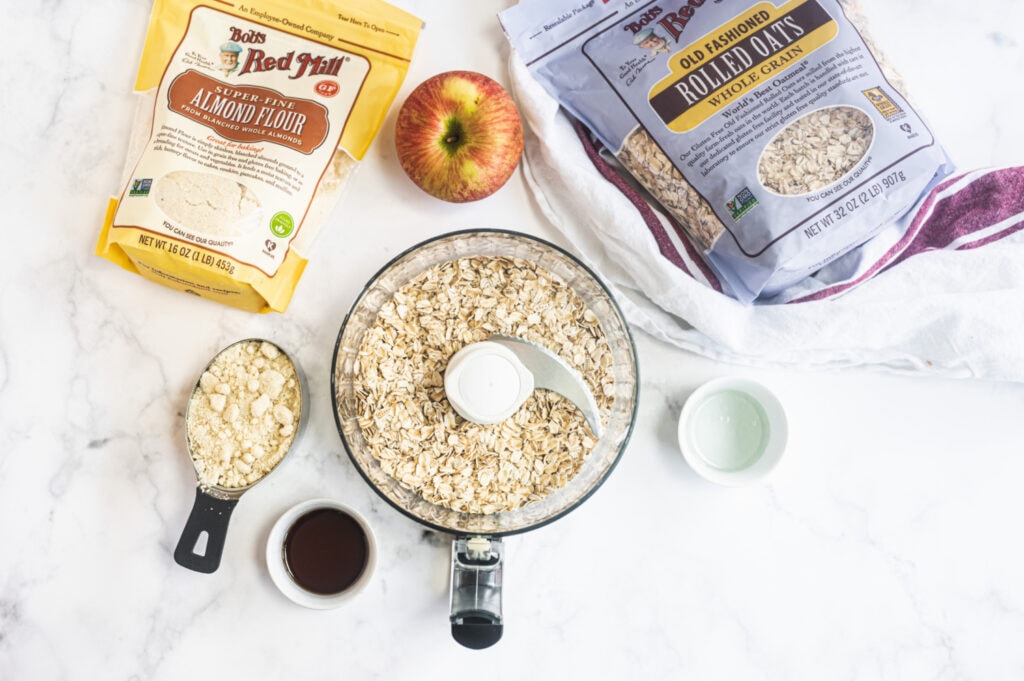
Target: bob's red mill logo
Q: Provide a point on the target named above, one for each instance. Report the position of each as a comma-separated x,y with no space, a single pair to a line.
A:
256,60
673,22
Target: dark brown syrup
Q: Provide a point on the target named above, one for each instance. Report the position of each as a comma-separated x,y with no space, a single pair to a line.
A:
325,551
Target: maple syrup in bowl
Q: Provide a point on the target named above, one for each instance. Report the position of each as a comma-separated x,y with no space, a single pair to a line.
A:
321,553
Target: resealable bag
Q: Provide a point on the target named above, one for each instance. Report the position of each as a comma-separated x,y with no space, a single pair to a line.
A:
775,135
250,120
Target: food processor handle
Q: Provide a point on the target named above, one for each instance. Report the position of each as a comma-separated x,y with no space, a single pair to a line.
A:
209,516
476,591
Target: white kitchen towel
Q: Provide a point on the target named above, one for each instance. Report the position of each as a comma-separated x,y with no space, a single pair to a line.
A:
926,299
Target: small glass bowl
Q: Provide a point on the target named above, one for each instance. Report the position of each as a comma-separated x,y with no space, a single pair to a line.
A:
732,431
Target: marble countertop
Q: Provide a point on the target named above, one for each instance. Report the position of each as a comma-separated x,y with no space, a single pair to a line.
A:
885,546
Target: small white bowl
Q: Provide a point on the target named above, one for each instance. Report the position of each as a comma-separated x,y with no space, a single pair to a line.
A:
732,431
279,570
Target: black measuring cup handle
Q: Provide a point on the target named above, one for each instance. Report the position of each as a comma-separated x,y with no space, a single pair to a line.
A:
209,515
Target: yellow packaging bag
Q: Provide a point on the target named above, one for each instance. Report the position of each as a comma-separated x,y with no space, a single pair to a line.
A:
251,118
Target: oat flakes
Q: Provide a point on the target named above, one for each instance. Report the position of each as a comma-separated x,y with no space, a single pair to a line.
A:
414,432
815,150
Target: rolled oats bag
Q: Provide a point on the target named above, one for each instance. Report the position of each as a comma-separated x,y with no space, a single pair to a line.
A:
774,133
250,119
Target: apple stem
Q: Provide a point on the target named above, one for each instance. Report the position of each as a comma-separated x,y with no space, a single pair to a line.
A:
454,135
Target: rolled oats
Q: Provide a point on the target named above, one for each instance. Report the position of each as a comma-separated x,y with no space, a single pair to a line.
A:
815,150
645,161
775,134
399,383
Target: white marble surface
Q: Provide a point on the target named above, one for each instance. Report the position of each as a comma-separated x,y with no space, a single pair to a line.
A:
886,546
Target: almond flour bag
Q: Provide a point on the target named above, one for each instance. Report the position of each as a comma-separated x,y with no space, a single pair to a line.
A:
250,119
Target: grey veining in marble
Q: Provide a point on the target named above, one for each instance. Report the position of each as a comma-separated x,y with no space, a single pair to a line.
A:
885,546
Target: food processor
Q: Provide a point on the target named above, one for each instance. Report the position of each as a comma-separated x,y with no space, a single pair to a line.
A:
477,549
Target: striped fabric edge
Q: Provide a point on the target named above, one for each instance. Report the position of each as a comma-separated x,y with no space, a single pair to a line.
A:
673,242
967,211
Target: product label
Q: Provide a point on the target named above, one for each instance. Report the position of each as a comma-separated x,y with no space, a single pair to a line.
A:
776,117
715,93
737,57
250,119
249,114
247,123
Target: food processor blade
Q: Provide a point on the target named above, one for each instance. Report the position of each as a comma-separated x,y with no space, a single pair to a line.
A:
552,373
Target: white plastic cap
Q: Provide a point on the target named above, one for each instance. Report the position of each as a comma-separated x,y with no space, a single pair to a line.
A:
486,383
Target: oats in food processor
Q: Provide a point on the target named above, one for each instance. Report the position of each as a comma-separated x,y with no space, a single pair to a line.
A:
416,434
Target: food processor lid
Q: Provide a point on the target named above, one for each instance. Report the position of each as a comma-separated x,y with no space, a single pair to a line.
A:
486,382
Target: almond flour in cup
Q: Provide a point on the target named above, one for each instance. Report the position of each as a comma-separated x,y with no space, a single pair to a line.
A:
244,415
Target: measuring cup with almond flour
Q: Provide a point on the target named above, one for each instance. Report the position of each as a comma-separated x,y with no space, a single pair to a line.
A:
246,412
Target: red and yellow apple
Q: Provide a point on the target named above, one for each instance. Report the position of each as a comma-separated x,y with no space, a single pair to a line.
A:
459,136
